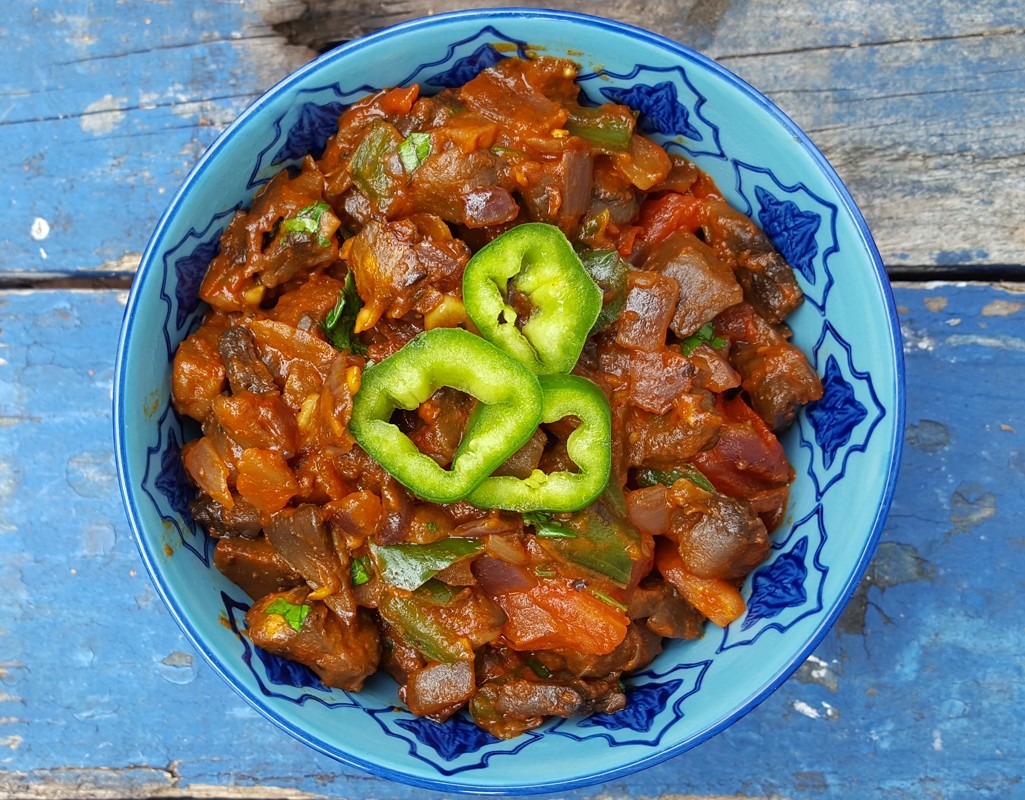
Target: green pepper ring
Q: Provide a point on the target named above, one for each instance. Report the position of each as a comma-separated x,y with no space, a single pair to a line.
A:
506,416
540,262
589,447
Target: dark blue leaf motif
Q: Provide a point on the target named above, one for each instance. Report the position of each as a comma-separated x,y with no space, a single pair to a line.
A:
778,586
644,704
837,414
449,739
660,107
310,131
190,270
171,480
467,68
289,673
792,229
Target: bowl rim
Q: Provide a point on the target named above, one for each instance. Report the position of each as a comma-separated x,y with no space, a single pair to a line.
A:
590,776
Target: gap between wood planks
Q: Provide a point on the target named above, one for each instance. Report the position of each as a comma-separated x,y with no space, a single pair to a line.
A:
989,273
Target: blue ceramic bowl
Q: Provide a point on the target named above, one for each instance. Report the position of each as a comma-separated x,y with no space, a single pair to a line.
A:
845,448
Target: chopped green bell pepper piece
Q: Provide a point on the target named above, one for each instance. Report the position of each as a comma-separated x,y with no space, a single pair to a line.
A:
410,566
607,269
607,128
506,416
589,447
369,171
537,261
422,631
604,542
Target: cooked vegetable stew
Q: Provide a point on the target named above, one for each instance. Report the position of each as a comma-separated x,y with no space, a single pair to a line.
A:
489,396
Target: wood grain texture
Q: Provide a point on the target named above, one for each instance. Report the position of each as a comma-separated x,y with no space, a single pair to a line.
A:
105,106
915,693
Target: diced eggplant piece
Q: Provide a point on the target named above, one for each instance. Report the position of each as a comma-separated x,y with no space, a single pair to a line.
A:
718,536
664,611
662,441
343,654
254,566
439,690
242,519
302,539
776,374
246,372
508,707
658,379
768,281
651,303
707,286
636,651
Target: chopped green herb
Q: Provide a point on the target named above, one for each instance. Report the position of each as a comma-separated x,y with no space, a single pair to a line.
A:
359,569
432,527
544,571
606,599
539,669
339,324
704,335
414,149
667,477
294,615
307,220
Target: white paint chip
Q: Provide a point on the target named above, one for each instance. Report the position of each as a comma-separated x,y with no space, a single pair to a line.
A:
103,115
40,229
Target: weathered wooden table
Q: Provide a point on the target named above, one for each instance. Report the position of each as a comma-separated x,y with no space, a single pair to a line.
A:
919,104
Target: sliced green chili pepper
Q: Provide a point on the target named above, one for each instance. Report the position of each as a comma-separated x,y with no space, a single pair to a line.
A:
589,447
604,542
607,269
536,261
410,566
506,416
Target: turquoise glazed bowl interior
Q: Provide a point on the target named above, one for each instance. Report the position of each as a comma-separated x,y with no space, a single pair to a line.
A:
845,448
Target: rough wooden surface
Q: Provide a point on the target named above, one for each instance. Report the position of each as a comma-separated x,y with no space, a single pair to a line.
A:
916,693
919,105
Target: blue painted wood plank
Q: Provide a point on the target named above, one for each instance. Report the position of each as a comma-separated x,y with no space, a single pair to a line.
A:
915,693
105,105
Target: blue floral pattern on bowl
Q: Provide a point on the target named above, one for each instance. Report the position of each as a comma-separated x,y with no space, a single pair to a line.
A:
850,438
670,105
801,224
